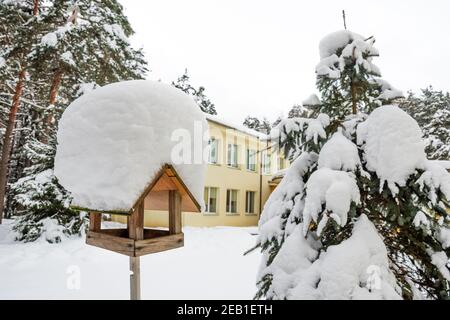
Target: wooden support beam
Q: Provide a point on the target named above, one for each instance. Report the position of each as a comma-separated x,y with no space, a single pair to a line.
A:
95,221
136,232
143,247
135,278
111,242
136,223
174,212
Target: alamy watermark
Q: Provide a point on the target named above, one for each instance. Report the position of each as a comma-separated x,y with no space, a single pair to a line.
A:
194,145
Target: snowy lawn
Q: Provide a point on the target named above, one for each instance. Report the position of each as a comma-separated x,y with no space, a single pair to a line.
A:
210,266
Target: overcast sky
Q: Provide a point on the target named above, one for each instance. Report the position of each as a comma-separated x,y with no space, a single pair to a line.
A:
258,57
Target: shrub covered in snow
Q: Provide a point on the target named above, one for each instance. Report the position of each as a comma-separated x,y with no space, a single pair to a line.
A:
361,212
46,214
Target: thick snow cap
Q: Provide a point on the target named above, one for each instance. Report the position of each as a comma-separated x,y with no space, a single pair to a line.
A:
335,40
113,140
393,145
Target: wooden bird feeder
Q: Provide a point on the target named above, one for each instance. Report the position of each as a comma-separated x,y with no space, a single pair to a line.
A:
166,192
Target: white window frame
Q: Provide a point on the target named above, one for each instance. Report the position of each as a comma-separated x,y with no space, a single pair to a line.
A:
228,199
213,143
232,155
208,197
265,158
247,202
251,154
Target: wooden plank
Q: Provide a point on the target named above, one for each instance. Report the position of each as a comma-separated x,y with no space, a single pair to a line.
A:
150,186
135,278
171,172
164,183
179,186
174,212
187,205
136,223
159,200
116,232
95,221
154,233
159,244
121,245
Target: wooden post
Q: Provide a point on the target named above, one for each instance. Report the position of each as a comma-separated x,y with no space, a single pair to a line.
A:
136,223
174,212
135,278
136,232
95,221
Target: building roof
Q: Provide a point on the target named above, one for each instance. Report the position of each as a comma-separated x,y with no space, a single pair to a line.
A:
239,127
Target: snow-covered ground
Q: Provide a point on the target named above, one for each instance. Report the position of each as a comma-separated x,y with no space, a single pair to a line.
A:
210,266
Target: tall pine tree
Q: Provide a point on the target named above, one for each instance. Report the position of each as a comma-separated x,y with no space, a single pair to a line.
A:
20,29
80,45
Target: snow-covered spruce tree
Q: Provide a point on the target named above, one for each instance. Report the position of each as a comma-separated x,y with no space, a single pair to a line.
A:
432,111
183,83
83,46
361,213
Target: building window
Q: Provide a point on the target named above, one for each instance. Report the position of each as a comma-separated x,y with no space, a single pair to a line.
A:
232,201
251,160
232,155
266,162
210,200
213,151
250,202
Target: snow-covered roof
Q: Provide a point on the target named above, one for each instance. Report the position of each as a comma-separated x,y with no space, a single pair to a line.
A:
114,140
233,125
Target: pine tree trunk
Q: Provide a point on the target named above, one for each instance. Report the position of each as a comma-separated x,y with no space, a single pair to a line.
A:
353,88
36,8
56,82
7,141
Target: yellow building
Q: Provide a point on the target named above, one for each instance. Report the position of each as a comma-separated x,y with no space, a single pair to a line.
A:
238,179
